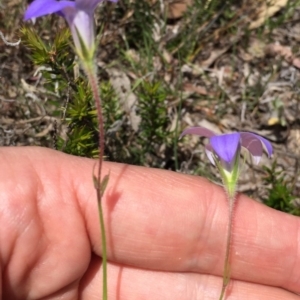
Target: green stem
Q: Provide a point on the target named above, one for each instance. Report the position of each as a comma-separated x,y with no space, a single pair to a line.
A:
226,274
104,254
92,77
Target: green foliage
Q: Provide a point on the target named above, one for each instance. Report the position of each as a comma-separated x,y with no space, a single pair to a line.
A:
77,132
82,136
280,191
142,147
154,119
140,27
54,54
56,58
116,131
112,112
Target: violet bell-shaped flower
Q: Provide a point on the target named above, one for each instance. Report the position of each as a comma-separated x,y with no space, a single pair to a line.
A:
80,17
226,146
224,151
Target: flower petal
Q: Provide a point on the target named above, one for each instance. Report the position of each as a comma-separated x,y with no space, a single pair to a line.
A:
81,23
226,146
201,131
40,8
267,145
255,145
209,153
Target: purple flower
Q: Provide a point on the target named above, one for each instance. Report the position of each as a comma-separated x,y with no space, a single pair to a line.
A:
79,15
226,147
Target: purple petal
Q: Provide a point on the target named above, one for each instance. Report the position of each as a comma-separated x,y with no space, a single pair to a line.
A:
267,145
87,4
81,23
40,8
255,145
209,152
201,131
226,146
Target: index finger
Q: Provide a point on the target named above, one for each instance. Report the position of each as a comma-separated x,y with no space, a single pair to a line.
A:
163,220
167,221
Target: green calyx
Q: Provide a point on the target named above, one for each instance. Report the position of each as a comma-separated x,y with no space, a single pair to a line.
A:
230,177
85,53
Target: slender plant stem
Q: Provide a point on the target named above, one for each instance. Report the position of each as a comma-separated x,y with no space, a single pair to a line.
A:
92,77
226,274
104,254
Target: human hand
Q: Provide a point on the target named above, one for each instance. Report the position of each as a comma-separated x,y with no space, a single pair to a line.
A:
166,234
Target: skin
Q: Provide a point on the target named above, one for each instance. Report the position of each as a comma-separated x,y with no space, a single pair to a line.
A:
166,234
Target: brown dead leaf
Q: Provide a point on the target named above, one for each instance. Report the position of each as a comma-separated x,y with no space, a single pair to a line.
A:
190,88
215,54
277,49
296,63
285,52
176,9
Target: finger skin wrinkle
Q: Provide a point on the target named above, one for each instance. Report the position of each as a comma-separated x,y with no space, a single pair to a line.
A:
20,226
217,214
38,211
294,279
188,230
58,211
284,252
127,283
276,253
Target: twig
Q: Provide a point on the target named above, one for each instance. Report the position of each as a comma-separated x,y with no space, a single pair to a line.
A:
9,43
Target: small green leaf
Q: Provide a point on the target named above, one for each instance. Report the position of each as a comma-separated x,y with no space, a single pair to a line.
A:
95,180
104,183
